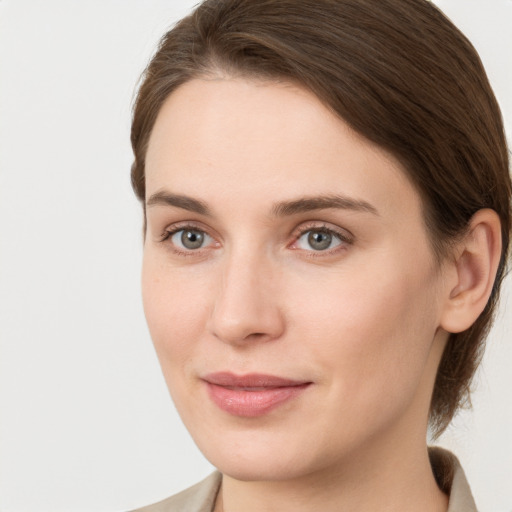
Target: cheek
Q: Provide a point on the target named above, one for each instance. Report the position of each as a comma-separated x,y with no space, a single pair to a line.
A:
373,333
173,309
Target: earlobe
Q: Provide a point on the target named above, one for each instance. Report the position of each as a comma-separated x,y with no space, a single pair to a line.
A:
475,265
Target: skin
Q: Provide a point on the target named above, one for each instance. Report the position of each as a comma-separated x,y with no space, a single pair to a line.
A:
362,320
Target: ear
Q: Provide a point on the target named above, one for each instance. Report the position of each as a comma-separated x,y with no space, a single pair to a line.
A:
474,267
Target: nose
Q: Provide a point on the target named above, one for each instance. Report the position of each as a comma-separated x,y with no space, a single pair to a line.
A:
246,304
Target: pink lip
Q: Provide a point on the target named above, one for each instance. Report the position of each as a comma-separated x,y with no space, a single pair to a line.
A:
253,394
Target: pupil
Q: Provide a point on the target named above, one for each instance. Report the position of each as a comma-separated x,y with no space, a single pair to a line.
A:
192,239
319,241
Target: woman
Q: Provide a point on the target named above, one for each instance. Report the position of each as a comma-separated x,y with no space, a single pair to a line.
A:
327,215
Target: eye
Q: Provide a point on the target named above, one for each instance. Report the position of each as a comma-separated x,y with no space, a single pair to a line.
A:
320,239
190,239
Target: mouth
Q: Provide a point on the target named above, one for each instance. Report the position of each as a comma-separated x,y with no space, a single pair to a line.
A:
253,394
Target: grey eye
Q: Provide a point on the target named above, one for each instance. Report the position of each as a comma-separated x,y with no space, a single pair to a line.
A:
190,239
318,240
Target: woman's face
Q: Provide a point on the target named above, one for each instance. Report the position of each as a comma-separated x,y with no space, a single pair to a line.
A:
288,282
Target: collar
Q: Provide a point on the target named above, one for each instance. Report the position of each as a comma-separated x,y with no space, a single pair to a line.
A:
451,479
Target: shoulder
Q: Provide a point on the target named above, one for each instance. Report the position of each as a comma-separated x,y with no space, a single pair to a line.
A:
452,480
198,498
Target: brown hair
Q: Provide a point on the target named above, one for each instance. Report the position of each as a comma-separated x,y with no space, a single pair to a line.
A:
402,75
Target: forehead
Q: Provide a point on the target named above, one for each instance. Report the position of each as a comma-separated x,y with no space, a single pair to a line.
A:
225,138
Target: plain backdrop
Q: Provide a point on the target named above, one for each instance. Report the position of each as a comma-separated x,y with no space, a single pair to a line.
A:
86,423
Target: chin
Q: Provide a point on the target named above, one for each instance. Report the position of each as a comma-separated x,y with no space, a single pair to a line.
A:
263,455
265,467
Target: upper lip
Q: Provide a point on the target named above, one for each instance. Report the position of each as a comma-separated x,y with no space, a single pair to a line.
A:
251,380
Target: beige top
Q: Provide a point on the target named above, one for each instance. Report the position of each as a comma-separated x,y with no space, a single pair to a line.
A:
447,470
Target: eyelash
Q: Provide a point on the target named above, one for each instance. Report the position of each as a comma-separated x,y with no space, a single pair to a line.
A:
345,238
170,232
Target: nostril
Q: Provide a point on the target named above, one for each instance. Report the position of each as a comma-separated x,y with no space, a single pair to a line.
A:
256,335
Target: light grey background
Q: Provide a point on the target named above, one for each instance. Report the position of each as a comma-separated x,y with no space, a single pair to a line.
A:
85,420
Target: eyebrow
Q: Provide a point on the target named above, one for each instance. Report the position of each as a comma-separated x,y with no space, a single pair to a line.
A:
179,201
281,209
308,204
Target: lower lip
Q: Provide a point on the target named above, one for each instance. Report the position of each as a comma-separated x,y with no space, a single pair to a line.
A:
248,403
